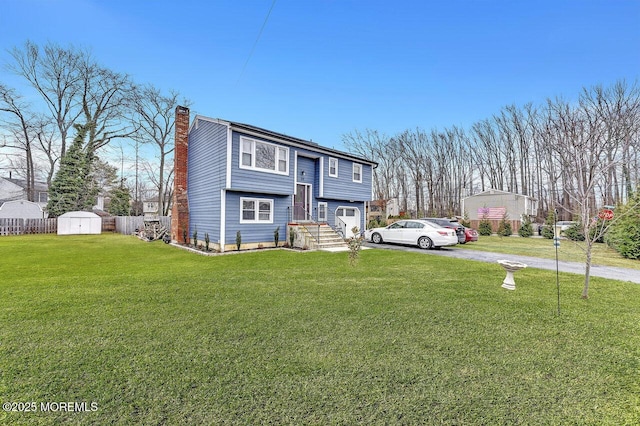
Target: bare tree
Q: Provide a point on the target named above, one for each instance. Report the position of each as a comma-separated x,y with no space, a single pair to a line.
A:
491,157
18,122
154,114
371,144
48,145
589,155
74,88
54,72
106,97
412,149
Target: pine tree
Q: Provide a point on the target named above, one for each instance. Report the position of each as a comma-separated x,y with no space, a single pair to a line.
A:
120,204
548,230
504,228
73,187
484,227
526,229
624,235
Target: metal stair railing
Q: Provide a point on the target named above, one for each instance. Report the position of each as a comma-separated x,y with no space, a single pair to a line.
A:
342,227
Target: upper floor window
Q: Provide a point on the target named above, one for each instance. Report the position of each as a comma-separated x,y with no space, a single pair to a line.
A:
263,156
357,172
333,167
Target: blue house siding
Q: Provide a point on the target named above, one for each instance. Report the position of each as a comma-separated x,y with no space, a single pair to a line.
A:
308,166
255,232
343,186
250,180
214,171
333,205
206,177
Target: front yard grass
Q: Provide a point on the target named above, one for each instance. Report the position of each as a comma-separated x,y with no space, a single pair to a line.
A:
569,251
157,335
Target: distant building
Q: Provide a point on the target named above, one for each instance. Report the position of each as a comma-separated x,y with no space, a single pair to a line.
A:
381,209
14,199
16,189
494,205
150,207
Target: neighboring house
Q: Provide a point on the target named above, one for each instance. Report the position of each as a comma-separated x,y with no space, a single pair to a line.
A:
247,179
494,204
16,189
380,210
150,207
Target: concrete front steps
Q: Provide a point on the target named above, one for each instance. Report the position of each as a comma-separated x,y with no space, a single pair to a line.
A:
322,237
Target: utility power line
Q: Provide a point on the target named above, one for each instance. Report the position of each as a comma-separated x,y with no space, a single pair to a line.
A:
264,24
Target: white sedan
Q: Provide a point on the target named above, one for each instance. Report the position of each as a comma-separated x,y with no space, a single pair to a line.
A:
424,234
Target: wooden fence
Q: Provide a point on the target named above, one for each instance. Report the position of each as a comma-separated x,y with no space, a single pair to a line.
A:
10,226
121,224
127,225
109,224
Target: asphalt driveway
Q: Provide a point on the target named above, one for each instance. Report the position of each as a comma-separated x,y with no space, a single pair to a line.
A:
622,274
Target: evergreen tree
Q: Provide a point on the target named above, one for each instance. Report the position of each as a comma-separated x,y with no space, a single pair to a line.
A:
484,227
120,204
73,188
504,227
624,235
548,230
525,230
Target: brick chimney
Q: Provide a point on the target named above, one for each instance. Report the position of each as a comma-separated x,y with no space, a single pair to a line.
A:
180,208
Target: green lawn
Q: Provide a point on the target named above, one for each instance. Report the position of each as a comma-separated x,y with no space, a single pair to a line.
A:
569,251
156,335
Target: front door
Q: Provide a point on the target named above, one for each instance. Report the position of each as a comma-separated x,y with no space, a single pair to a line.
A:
302,202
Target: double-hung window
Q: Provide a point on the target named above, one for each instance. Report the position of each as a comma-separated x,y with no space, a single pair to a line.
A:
333,167
263,156
357,172
256,210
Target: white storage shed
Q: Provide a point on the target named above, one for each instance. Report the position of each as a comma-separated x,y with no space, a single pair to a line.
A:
73,223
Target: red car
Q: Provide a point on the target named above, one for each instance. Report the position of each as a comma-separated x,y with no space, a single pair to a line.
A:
470,234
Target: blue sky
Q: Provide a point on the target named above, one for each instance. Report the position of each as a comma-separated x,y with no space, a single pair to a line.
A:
323,68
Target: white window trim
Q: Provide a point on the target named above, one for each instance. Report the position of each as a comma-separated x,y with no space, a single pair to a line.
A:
253,156
257,218
335,175
326,211
353,172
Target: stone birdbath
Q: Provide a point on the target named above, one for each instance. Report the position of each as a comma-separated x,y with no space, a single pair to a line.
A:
510,267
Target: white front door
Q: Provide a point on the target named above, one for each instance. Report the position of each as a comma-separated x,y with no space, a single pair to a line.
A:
346,219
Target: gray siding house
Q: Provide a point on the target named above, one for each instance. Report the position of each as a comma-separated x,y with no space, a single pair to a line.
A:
16,189
494,205
243,178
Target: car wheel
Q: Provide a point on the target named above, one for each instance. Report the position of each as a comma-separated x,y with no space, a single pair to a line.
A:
376,238
425,243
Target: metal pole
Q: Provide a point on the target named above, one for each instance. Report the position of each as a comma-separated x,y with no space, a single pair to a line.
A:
556,243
